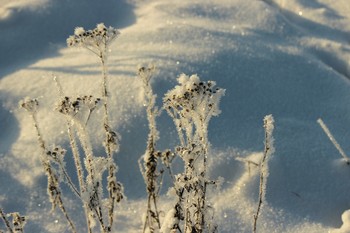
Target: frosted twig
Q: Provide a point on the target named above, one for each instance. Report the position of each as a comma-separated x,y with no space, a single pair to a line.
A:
191,104
76,157
264,172
53,188
56,154
18,222
6,221
93,182
97,41
150,167
332,139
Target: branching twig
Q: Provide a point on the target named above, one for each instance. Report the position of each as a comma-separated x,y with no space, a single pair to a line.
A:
54,191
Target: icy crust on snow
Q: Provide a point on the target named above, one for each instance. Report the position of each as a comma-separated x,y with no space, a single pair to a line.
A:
287,58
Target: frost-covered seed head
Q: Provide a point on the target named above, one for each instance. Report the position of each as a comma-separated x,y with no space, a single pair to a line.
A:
56,154
68,106
194,99
145,73
31,105
90,101
72,106
97,39
79,31
18,222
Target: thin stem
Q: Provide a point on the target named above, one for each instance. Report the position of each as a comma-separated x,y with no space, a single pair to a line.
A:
332,139
268,149
77,162
61,205
69,181
76,156
49,172
109,151
6,221
94,196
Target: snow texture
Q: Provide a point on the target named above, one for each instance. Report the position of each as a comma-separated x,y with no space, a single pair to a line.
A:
285,58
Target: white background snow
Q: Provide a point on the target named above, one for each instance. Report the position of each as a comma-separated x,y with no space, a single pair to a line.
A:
288,58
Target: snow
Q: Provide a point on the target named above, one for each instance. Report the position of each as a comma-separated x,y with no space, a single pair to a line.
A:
285,58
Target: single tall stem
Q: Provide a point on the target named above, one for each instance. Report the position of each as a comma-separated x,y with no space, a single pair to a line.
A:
109,151
268,149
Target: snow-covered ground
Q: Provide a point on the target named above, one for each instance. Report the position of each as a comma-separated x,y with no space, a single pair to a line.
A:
288,58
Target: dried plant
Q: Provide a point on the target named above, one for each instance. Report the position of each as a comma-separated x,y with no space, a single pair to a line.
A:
264,170
53,188
333,140
191,105
17,224
149,161
98,41
152,159
77,112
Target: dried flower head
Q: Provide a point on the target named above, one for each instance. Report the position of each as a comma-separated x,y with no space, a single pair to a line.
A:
96,40
145,73
56,154
193,95
193,101
18,222
31,105
90,102
71,106
68,106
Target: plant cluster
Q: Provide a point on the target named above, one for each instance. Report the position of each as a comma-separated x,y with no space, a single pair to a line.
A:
89,167
191,104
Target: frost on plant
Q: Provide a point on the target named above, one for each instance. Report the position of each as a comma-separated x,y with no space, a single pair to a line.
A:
333,140
89,167
98,41
264,170
149,164
17,223
95,40
191,104
53,188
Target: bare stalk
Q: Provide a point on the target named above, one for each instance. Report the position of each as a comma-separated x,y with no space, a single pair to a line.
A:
268,150
53,188
332,139
150,168
93,185
6,221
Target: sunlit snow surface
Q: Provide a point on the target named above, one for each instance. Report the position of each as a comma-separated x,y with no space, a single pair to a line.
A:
288,58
